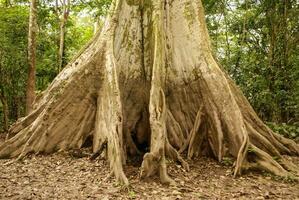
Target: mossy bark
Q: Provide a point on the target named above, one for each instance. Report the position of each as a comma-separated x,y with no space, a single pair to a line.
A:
149,79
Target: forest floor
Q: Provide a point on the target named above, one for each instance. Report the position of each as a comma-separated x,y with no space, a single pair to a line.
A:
72,176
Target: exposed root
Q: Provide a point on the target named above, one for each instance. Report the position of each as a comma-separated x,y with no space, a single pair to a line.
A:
99,151
149,165
172,153
266,162
174,131
153,164
196,136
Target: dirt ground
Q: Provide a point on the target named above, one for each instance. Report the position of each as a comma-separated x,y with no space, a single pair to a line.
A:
72,176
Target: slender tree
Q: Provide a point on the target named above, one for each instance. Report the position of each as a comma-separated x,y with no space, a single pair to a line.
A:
5,108
63,16
148,82
30,90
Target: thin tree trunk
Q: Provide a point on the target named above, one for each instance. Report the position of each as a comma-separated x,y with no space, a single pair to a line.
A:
241,41
62,31
30,90
285,111
18,106
95,27
5,111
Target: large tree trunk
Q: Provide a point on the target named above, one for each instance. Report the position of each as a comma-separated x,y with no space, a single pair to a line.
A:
149,78
30,90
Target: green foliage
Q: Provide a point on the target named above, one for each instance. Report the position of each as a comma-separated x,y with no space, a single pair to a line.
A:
289,131
98,8
227,161
13,58
14,17
257,43
132,194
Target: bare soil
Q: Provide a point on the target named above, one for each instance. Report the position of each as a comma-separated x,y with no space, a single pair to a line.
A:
72,176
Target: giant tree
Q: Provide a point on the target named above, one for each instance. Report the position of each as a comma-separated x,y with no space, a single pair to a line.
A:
149,79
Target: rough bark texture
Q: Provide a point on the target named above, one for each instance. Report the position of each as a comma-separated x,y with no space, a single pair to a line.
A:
149,79
30,90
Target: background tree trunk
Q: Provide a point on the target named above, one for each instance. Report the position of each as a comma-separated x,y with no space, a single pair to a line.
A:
5,111
62,30
30,90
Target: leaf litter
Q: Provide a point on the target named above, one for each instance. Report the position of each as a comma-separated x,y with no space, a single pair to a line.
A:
71,175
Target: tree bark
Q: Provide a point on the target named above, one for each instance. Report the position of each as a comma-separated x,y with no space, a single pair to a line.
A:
5,111
148,83
30,90
62,30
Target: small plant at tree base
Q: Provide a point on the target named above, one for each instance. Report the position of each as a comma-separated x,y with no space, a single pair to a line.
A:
132,194
227,161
